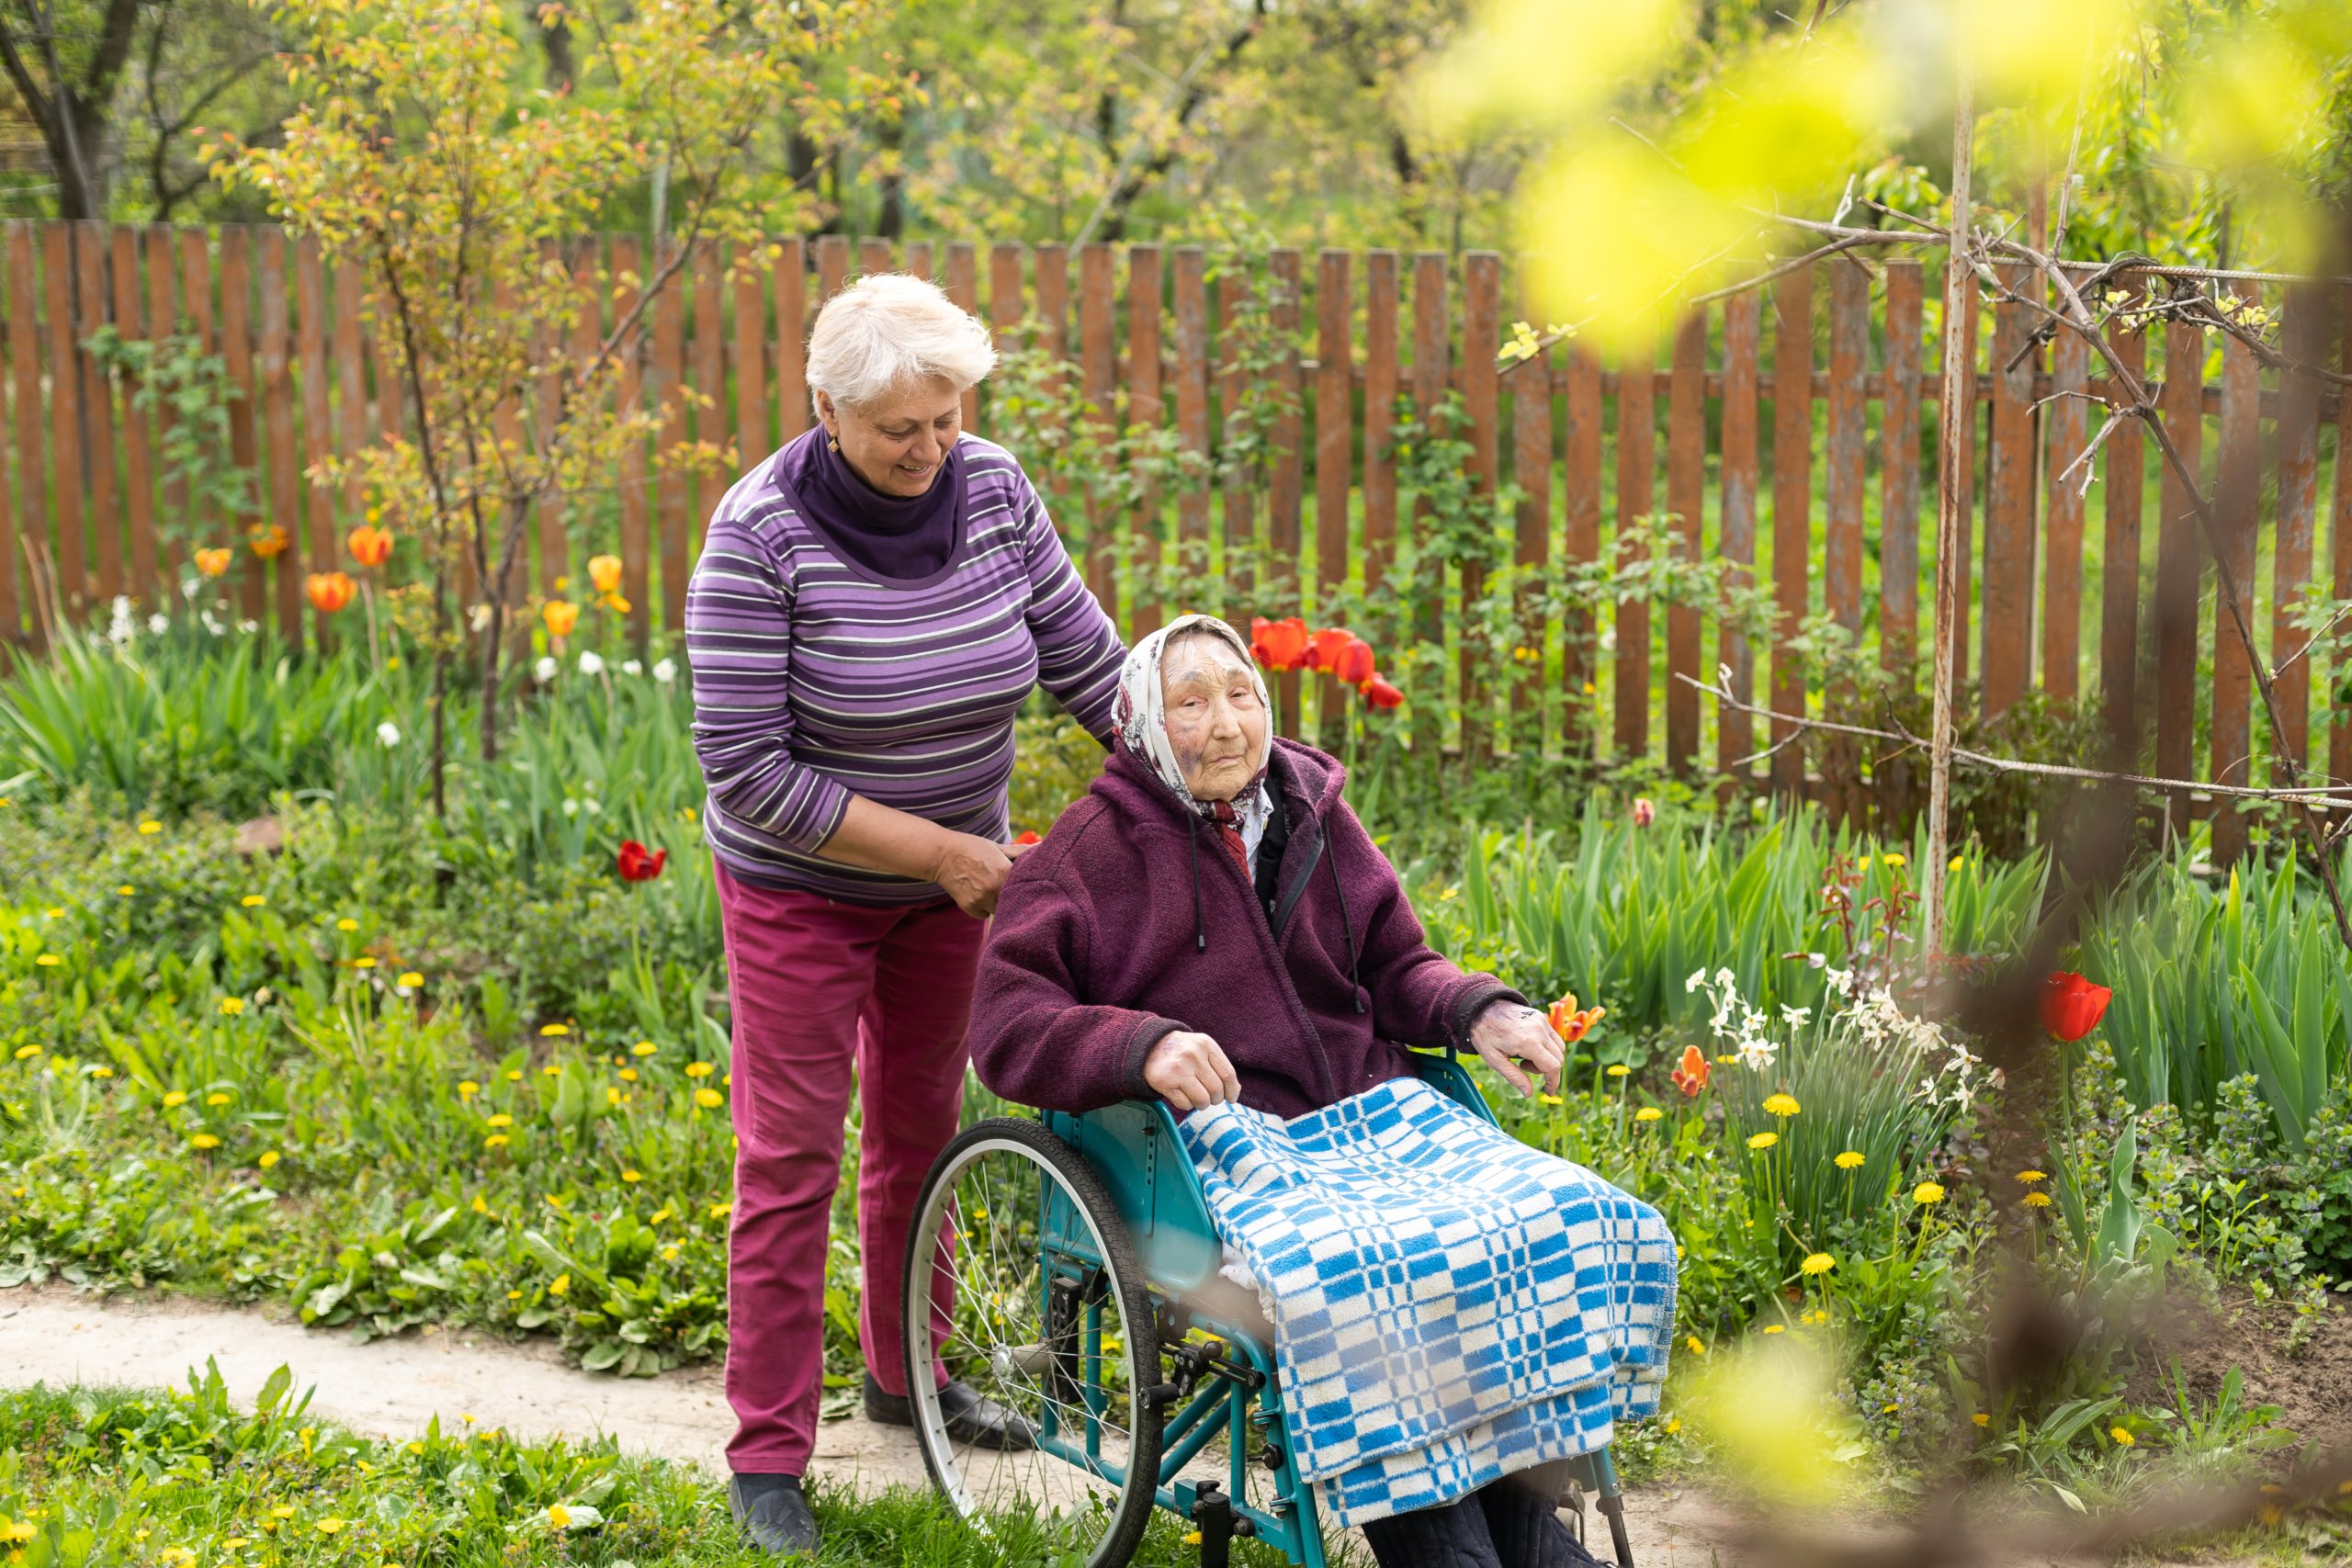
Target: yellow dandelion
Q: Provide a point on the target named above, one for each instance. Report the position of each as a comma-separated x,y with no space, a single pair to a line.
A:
1892,860
253,900
1774,1328
720,1211
501,1120
216,1098
27,1052
2037,1200
151,828
552,1030
125,890
708,1098
467,1088
232,1006
1817,1263
514,1075
330,1527
2032,1178
560,1284
1648,1113
1697,1346
2123,1436
698,1069
412,979
1674,1423
363,963
632,1176
1927,1192
643,1048
49,961
1763,1140
627,1075
173,1098
1852,1160
1781,1105
612,1095
1549,1100
102,1072
346,924
558,1516
1981,1419
269,1157
496,1141
204,1141
1725,1060
1619,1070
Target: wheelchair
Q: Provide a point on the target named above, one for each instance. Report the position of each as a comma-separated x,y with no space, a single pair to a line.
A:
1074,1280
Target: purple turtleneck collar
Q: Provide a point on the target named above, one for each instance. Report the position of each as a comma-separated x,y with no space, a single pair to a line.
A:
895,539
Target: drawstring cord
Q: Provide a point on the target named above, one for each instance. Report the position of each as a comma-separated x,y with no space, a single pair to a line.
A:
1356,986
1200,927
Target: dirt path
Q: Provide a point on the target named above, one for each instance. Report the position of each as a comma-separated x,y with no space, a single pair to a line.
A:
393,1387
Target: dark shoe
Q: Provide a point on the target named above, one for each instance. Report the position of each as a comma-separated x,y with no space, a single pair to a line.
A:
773,1512
983,1422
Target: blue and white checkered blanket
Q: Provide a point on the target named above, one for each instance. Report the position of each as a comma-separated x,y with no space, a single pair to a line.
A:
1449,1304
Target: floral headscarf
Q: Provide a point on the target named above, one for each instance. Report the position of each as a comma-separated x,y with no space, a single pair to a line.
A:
1140,716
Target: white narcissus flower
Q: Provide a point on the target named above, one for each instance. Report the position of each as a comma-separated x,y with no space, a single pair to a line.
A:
159,623
665,671
591,663
544,671
631,667
388,733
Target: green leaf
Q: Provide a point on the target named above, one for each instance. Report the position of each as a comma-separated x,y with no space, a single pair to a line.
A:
274,1389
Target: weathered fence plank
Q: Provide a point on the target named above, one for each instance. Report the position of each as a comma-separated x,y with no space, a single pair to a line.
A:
2179,557
1686,500
2237,503
1143,414
1742,326
1335,428
1636,478
2126,481
1791,517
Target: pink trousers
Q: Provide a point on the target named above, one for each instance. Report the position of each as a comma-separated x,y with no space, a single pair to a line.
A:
817,986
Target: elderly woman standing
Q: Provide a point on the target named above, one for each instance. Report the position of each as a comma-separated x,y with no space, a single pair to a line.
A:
873,606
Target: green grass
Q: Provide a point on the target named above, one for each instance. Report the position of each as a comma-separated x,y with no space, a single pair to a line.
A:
194,1475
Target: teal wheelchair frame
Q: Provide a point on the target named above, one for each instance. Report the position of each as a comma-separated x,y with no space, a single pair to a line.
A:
1223,1384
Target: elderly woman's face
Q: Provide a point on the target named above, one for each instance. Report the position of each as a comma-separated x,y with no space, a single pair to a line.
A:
1216,727
896,444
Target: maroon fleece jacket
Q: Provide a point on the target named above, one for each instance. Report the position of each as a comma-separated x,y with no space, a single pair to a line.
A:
1099,949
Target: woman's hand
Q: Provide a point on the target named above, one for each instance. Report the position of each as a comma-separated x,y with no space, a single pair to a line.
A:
1190,1070
972,870
1505,1029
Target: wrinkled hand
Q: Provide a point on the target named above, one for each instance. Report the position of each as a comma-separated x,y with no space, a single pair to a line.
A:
970,870
1190,1070
1505,1030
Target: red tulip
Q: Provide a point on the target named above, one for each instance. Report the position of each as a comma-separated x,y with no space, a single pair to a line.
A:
2071,1006
1324,647
1383,695
1354,663
1028,838
1691,1076
1278,645
638,863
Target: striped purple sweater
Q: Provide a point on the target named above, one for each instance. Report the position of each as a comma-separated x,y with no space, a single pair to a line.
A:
815,680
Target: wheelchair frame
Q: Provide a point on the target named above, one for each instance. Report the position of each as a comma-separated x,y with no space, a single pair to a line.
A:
1133,1148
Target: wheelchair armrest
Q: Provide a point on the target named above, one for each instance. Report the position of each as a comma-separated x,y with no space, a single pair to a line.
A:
1444,1071
1135,1148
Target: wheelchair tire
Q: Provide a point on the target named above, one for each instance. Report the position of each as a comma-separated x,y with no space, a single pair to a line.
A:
976,1198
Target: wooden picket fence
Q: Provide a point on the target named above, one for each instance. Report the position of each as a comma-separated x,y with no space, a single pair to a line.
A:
1795,422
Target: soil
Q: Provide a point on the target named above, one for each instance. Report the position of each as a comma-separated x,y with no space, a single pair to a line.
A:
2312,1387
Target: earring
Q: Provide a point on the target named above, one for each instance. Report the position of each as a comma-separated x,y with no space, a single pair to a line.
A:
832,444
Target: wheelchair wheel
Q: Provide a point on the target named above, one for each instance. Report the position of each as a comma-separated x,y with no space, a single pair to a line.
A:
1020,1271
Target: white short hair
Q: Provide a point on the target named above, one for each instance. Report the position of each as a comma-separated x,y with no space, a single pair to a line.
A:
889,329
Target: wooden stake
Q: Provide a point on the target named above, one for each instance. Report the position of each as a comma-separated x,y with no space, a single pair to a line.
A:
1952,499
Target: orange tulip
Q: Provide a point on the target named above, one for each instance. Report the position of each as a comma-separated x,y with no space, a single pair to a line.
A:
1383,695
560,616
370,546
269,541
1278,645
331,591
605,571
1691,1076
1570,1023
214,562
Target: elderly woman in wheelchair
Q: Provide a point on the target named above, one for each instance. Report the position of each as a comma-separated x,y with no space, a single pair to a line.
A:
1251,1211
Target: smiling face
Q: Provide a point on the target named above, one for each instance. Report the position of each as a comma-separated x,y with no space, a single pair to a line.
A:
1216,727
896,444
